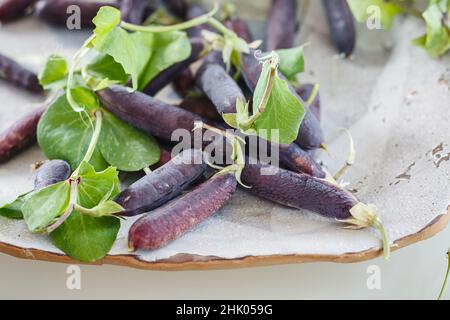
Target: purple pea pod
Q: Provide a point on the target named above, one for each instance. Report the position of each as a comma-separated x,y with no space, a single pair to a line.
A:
177,7
241,28
163,184
341,25
13,9
135,11
57,12
20,135
170,222
14,73
281,25
51,172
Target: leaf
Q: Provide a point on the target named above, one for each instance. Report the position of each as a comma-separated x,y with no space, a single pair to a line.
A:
167,48
96,187
104,67
107,19
104,209
125,147
85,98
85,238
292,62
65,134
130,50
13,210
53,76
45,205
437,39
284,112
388,10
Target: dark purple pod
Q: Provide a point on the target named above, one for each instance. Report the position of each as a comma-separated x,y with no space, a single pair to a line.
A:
177,7
294,158
184,83
163,184
281,25
57,12
241,28
13,9
20,135
193,11
310,134
135,11
51,172
171,73
202,107
305,91
14,73
341,25
219,87
168,223
300,191
147,113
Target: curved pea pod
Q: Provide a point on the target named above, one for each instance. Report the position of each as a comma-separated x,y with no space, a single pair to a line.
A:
201,106
219,87
168,223
20,135
310,134
163,184
13,9
135,11
147,113
170,74
51,172
21,77
281,25
305,91
241,28
302,191
341,25
55,12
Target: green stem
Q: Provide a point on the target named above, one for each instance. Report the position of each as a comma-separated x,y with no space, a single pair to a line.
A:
444,286
176,27
313,95
216,24
72,201
75,61
386,247
93,144
273,60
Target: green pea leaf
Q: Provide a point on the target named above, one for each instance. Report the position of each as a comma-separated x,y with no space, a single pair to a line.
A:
45,205
65,134
130,50
167,48
107,19
284,112
96,187
103,67
388,10
85,238
53,76
125,147
85,98
437,39
13,210
292,62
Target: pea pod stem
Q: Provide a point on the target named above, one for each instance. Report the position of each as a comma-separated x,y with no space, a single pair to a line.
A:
206,18
444,285
313,95
92,145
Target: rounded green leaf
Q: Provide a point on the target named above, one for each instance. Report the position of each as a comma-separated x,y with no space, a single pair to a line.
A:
125,147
